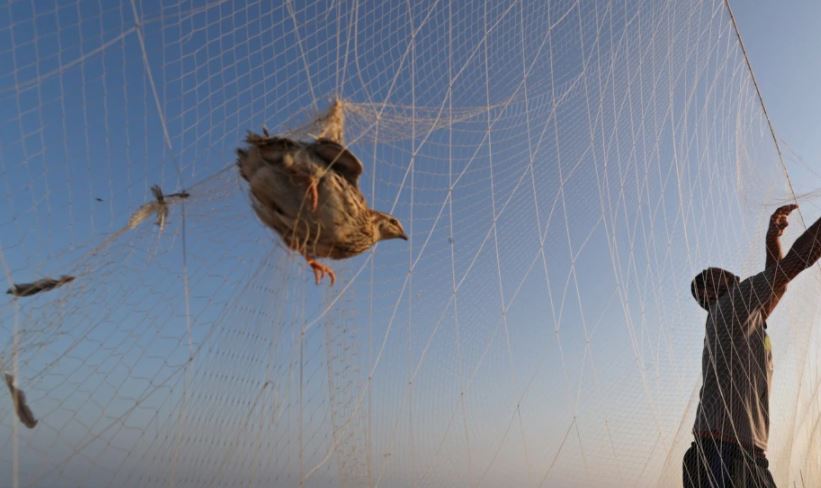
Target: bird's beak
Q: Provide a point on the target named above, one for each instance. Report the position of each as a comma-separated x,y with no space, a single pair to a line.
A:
403,237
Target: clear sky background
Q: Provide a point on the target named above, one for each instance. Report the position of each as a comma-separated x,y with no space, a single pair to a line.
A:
783,40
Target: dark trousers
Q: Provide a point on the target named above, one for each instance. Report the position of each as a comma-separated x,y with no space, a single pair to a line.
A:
714,464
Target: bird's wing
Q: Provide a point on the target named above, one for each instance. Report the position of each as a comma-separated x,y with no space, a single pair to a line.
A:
28,289
339,159
157,191
280,143
20,405
263,151
44,284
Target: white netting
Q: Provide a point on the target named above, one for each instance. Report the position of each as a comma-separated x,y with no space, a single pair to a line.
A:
562,168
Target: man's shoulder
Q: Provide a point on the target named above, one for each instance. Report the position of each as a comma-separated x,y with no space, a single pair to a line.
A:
759,287
763,276
745,299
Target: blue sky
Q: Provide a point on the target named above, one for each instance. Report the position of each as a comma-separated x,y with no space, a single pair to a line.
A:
560,185
782,39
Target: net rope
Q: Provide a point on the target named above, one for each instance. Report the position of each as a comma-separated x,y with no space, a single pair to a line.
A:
562,169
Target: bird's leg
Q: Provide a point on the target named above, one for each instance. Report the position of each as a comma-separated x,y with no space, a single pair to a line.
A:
320,270
313,191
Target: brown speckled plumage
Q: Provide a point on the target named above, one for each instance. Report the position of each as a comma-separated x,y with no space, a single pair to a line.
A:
41,285
308,192
21,407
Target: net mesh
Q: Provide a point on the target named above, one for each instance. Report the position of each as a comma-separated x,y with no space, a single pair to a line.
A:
562,169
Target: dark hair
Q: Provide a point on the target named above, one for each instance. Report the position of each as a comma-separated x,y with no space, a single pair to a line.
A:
697,284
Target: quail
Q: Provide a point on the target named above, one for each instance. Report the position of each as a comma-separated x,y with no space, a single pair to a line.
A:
308,193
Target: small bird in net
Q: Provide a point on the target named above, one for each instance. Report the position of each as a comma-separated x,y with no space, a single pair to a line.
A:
308,193
41,285
159,207
21,408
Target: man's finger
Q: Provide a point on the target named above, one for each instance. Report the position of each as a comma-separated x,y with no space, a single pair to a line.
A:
785,209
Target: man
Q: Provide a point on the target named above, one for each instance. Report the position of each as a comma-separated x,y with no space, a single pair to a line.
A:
732,421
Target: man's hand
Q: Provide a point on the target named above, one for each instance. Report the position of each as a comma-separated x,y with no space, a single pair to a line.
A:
805,252
778,220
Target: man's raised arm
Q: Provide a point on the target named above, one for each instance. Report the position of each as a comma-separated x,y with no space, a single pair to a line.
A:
778,222
805,251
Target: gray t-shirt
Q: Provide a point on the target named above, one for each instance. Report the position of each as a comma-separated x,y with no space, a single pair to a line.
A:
737,366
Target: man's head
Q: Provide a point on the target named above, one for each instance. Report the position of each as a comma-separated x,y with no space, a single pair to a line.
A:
709,285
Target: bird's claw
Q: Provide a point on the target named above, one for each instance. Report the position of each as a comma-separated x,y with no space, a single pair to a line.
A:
320,270
313,191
